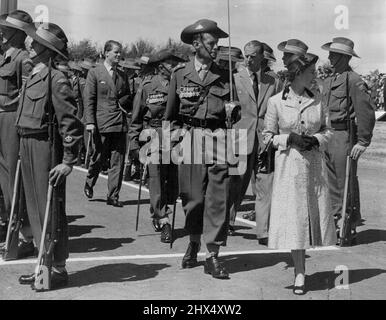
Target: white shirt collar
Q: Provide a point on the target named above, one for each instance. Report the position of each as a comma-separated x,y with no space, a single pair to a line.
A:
39,67
108,66
199,66
9,52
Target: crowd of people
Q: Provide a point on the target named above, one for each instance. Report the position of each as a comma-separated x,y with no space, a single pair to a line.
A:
298,132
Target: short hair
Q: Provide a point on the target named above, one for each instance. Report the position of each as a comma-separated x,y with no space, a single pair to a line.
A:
109,45
257,44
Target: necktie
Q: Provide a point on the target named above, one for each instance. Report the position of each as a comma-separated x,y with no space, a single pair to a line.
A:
114,75
255,85
202,72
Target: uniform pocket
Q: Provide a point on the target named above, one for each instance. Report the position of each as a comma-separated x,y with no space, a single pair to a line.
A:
34,104
6,75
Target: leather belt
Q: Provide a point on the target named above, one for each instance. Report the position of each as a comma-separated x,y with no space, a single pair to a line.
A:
155,123
25,132
203,123
339,126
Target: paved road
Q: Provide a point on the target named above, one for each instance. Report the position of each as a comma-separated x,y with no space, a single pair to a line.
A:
109,260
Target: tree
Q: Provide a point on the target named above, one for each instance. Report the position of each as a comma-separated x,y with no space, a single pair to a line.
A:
83,49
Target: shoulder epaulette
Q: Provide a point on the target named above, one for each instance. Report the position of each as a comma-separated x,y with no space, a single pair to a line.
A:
179,66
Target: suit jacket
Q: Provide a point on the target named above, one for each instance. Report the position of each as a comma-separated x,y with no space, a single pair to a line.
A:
252,111
101,97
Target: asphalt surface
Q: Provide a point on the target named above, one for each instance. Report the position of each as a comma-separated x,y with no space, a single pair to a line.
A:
109,260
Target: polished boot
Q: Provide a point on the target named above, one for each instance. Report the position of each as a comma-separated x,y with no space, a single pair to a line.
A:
215,268
114,203
88,191
166,233
190,258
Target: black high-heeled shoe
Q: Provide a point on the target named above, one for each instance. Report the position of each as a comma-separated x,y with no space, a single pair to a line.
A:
299,290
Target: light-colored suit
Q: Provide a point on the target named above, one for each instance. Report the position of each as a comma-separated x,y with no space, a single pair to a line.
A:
252,118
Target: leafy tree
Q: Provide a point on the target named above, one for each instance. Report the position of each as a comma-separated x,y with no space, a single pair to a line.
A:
83,49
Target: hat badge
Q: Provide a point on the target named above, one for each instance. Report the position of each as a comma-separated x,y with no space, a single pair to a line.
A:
199,27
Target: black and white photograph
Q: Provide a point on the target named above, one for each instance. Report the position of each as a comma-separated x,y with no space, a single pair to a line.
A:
204,153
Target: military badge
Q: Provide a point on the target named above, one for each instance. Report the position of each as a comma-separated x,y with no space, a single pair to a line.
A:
189,92
68,139
155,98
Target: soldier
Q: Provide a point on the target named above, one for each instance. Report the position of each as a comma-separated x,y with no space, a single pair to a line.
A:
14,70
49,41
148,112
197,100
107,99
223,57
344,91
269,58
130,67
254,88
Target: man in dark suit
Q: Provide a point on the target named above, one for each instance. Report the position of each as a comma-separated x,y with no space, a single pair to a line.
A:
254,88
107,99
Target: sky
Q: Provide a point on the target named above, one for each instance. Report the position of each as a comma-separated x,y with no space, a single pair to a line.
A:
271,21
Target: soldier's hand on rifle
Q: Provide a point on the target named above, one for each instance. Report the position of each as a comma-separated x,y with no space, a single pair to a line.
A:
134,154
57,174
357,151
90,127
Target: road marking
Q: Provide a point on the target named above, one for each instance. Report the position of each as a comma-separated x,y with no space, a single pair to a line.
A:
163,256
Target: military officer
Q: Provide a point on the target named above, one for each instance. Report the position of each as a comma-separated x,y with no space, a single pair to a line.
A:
14,70
197,99
223,57
107,99
49,41
148,112
344,91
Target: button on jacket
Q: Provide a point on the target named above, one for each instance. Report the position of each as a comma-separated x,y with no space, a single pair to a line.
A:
361,106
101,97
32,113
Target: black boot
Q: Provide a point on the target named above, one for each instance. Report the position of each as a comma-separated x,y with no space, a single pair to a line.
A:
190,258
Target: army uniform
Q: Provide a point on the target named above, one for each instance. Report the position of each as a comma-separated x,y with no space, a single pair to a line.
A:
14,69
35,148
148,112
204,188
343,93
361,109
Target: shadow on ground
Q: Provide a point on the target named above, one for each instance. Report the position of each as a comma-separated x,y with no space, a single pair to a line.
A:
77,231
327,280
119,272
243,263
371,236
72,218
97,244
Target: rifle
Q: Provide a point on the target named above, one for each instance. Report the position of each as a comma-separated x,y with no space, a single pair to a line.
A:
350,206
89,142
55,201
173,221
17,207
141,181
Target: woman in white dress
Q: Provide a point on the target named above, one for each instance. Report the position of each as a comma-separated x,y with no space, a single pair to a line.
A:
298,125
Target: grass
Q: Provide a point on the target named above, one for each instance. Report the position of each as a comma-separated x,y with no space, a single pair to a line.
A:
376,152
